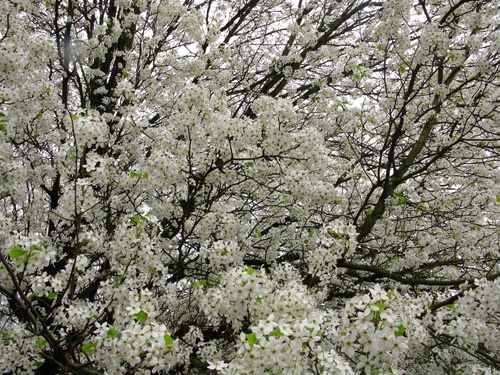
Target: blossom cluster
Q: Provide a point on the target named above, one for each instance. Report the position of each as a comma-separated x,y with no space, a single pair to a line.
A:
249,187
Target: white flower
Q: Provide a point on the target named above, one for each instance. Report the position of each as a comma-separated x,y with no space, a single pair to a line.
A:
217,365
268,325
366,363
378,293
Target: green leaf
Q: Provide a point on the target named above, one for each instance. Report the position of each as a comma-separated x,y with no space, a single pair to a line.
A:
451,307
498,198
17,252
141,316
35,247
47,3
402,69
381,305
144,175
276,333
41,342
86,347
39,364
401,198
250,164
401,331
5,336
422,207
74,116
252,339
199,283
52,296
3,128
250,271
169,341
224,252
112,333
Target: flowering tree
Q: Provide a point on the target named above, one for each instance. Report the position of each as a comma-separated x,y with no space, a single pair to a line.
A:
249,187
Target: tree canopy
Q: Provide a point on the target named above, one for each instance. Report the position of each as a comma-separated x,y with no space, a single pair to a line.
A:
249,187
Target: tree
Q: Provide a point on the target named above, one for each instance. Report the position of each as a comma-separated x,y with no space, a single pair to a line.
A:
249,187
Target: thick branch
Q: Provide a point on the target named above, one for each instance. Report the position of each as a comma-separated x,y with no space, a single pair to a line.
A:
383,273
